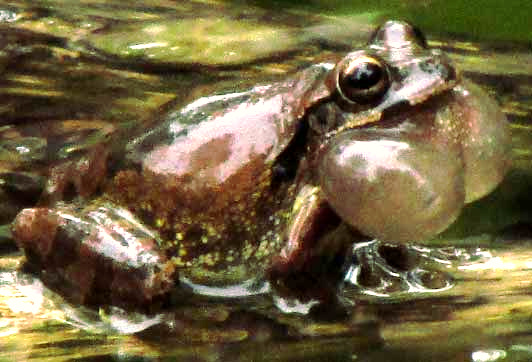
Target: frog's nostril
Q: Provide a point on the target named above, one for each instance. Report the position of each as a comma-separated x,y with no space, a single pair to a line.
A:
441,68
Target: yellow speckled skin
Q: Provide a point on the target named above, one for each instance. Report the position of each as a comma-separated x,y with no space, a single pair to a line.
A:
210,239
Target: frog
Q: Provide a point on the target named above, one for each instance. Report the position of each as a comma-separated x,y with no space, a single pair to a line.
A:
271,189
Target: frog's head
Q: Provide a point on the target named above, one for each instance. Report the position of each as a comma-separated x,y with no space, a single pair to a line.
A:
404,141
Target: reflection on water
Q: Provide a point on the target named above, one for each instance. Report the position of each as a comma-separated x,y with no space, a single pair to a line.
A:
35,298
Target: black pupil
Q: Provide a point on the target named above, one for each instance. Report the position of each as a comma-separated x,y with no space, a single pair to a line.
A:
365,76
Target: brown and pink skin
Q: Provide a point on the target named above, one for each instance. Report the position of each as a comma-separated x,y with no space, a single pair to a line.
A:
390,143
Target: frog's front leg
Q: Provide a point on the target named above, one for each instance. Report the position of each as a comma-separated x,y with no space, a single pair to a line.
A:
382,269
310,266
96,255
322,252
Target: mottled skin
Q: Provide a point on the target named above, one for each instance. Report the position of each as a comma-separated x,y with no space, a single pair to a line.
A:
275,182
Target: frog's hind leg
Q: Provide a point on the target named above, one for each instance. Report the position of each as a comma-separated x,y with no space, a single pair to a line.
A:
97,255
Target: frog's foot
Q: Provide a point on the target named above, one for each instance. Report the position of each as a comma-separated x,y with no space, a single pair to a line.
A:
383,269
94,256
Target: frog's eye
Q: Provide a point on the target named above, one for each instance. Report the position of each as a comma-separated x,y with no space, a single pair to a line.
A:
363,80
